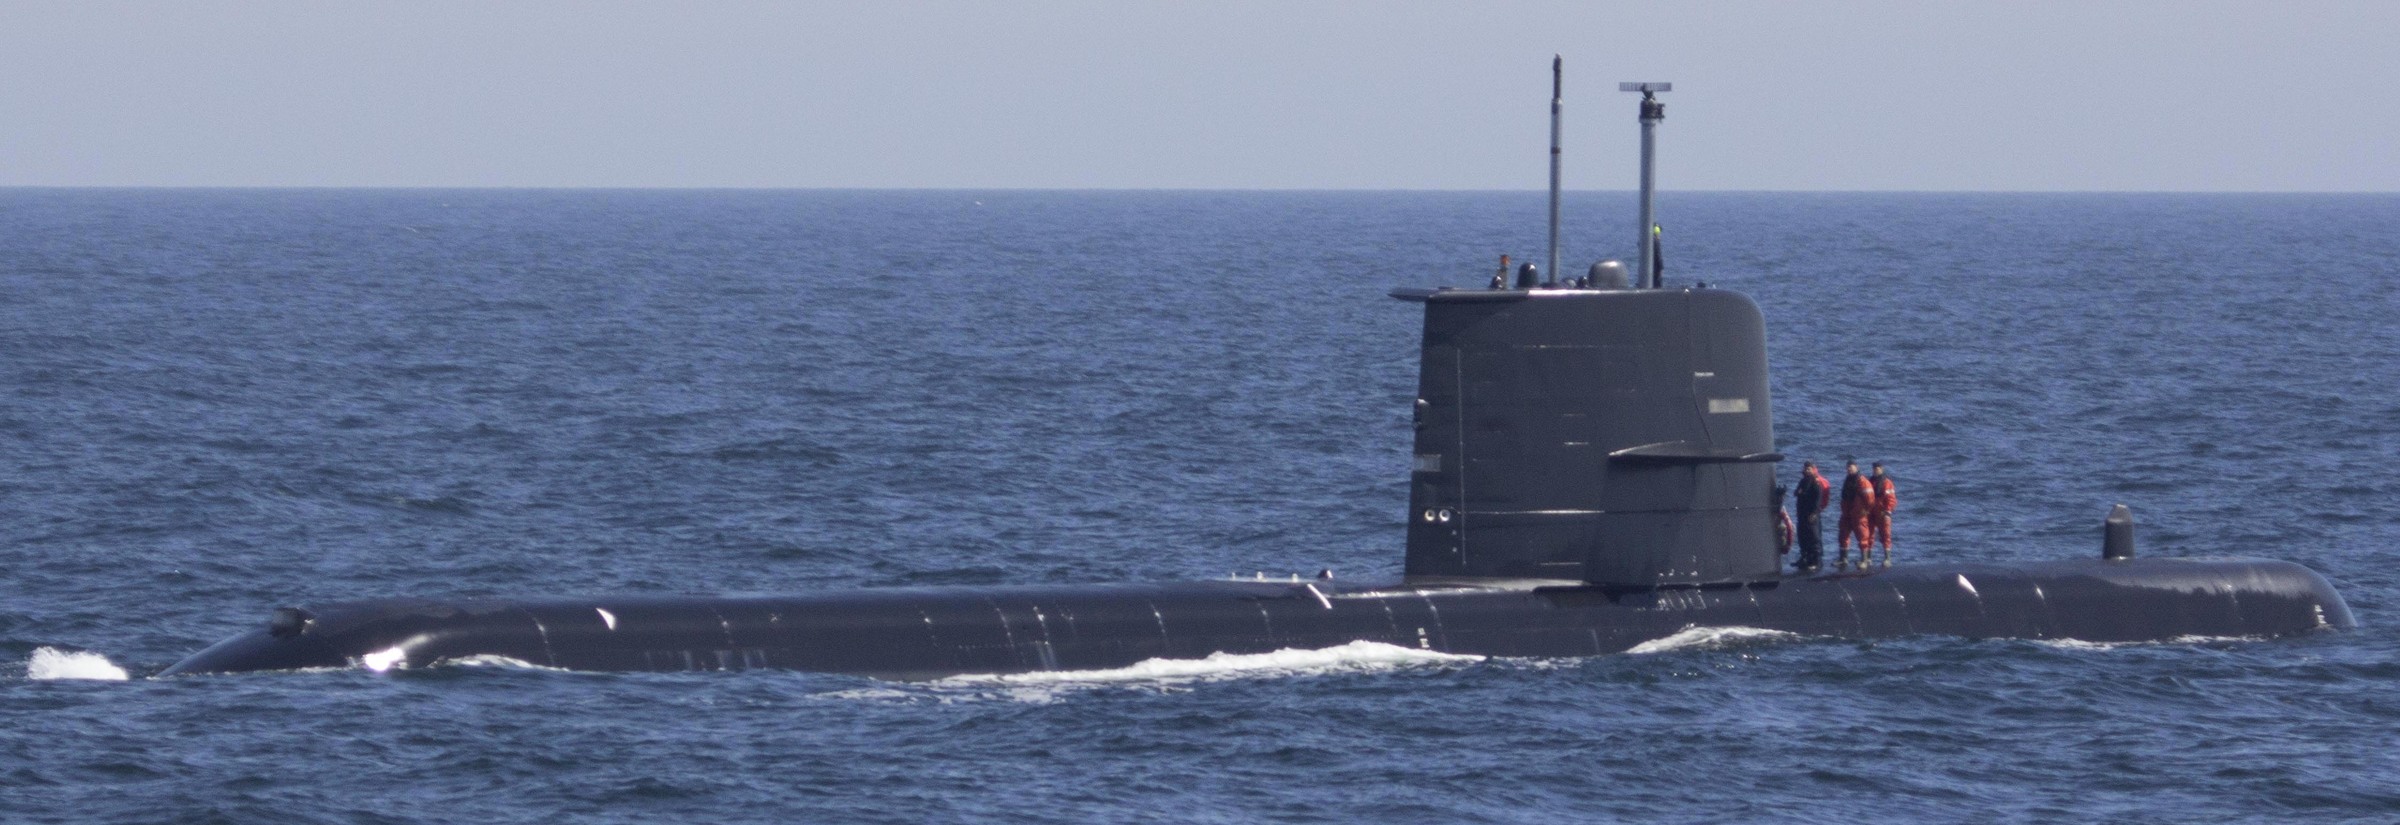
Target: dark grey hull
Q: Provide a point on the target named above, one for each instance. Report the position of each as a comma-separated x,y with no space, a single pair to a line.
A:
923,633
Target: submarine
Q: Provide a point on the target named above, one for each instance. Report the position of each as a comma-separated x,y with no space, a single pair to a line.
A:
1594,468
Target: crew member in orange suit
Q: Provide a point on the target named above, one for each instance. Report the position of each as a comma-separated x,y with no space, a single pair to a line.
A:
1857,500
1879,516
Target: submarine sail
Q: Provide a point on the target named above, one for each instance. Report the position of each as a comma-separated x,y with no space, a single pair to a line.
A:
1616,437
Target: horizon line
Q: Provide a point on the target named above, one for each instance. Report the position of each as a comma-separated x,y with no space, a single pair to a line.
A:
1148,189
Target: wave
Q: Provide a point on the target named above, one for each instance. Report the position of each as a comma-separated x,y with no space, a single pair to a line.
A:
1710,638
53,663
1049,686
2079,644
1344,658
499,661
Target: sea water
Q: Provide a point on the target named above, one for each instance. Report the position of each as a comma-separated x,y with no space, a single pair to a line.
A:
214,403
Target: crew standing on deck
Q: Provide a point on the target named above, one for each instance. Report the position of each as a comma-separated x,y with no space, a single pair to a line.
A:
1857,500
1814,493
1879,517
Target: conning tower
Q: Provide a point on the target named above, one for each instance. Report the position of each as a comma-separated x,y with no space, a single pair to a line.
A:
1622,438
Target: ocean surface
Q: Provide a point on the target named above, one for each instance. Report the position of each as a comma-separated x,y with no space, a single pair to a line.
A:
215,403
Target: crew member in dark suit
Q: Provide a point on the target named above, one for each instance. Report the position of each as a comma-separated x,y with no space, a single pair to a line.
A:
1810,500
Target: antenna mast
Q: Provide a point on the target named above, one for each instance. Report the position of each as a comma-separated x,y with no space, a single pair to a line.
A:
1555,64
1652,112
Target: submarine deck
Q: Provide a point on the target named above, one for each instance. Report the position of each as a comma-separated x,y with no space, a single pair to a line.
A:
932,632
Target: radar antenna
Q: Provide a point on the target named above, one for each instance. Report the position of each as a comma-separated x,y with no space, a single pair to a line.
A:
1652,112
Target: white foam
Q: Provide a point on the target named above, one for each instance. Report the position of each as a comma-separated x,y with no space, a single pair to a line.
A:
52,663
1163,674
2079,644
1345,658
2212,640
1709,638
383,660
496,660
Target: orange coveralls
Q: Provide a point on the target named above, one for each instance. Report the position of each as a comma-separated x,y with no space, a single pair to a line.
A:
1879,517
1857,500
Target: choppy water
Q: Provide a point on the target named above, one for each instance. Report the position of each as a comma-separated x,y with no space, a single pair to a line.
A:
214,403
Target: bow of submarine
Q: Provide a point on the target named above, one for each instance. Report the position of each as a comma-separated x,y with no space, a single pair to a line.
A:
378,634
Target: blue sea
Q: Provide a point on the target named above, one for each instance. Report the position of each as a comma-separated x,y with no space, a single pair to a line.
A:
217,402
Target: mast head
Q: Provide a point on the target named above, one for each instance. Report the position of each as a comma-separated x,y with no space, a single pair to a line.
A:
1652,110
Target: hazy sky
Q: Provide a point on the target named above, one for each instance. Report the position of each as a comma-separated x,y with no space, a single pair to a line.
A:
2277,96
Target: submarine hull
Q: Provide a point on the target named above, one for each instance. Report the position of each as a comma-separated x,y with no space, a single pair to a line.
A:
926,633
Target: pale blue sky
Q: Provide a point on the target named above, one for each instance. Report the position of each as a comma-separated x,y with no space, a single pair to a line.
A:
2206,96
